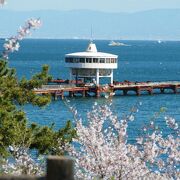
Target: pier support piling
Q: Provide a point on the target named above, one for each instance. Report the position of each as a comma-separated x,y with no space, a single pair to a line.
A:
84,93
125,92
150,91
162,90
54,96
138,91
175,89
62,95
71,94
97,93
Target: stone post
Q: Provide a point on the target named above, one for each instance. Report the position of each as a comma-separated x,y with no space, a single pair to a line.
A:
60,168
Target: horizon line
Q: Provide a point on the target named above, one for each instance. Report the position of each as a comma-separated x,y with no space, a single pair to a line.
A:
102,11
97,39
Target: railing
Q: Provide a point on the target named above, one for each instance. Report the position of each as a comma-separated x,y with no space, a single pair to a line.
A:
46,87
58,168
134,84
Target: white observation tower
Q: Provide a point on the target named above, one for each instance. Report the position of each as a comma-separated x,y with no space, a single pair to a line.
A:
91,65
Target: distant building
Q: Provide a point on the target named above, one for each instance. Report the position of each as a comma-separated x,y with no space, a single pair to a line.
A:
91,65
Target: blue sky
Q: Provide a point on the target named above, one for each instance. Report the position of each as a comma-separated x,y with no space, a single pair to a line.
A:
152,25
101,5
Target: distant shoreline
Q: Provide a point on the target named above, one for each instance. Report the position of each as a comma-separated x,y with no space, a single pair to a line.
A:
83,39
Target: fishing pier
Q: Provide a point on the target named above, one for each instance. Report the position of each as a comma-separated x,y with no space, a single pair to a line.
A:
118,88
88,68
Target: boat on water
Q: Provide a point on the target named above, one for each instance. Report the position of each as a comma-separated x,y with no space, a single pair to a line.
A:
113,43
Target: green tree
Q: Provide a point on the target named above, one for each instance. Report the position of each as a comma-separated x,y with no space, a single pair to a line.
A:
15,129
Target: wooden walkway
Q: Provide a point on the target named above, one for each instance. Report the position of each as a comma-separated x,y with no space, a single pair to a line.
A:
124,87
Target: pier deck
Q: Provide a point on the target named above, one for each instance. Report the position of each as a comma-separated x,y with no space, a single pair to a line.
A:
83,90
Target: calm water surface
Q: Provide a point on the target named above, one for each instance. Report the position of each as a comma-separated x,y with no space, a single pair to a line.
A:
141,61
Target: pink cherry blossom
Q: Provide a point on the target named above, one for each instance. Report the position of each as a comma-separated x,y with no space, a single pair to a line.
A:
102,152
12,44
2,2
22,163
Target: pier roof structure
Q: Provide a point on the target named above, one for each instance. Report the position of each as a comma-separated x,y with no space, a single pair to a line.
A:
91,64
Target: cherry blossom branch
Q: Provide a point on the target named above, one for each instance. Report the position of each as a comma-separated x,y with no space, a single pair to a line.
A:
105,152
12,44
2,2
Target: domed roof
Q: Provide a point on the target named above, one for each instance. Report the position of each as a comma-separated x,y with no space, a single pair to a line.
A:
91,51
91,47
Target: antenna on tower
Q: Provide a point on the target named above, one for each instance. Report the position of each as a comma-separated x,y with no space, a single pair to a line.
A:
91,34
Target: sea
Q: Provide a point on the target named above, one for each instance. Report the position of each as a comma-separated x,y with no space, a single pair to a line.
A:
139,61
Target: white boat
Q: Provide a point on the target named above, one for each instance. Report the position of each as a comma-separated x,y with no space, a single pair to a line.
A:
113,43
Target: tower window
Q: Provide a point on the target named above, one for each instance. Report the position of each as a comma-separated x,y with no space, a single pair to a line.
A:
102,60
82,60
95,60
108,60
89,60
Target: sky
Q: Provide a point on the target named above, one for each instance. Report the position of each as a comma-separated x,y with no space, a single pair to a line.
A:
153,25
100,5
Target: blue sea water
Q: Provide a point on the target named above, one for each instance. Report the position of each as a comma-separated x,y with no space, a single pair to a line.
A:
141,61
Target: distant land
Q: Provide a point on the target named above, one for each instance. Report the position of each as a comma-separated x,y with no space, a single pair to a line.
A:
163,24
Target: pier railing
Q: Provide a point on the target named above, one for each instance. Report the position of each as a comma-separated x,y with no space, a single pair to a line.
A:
58,168
58,86
72,90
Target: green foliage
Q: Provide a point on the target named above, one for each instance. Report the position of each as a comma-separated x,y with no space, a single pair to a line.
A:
37,80
4,70
48,141
14,127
